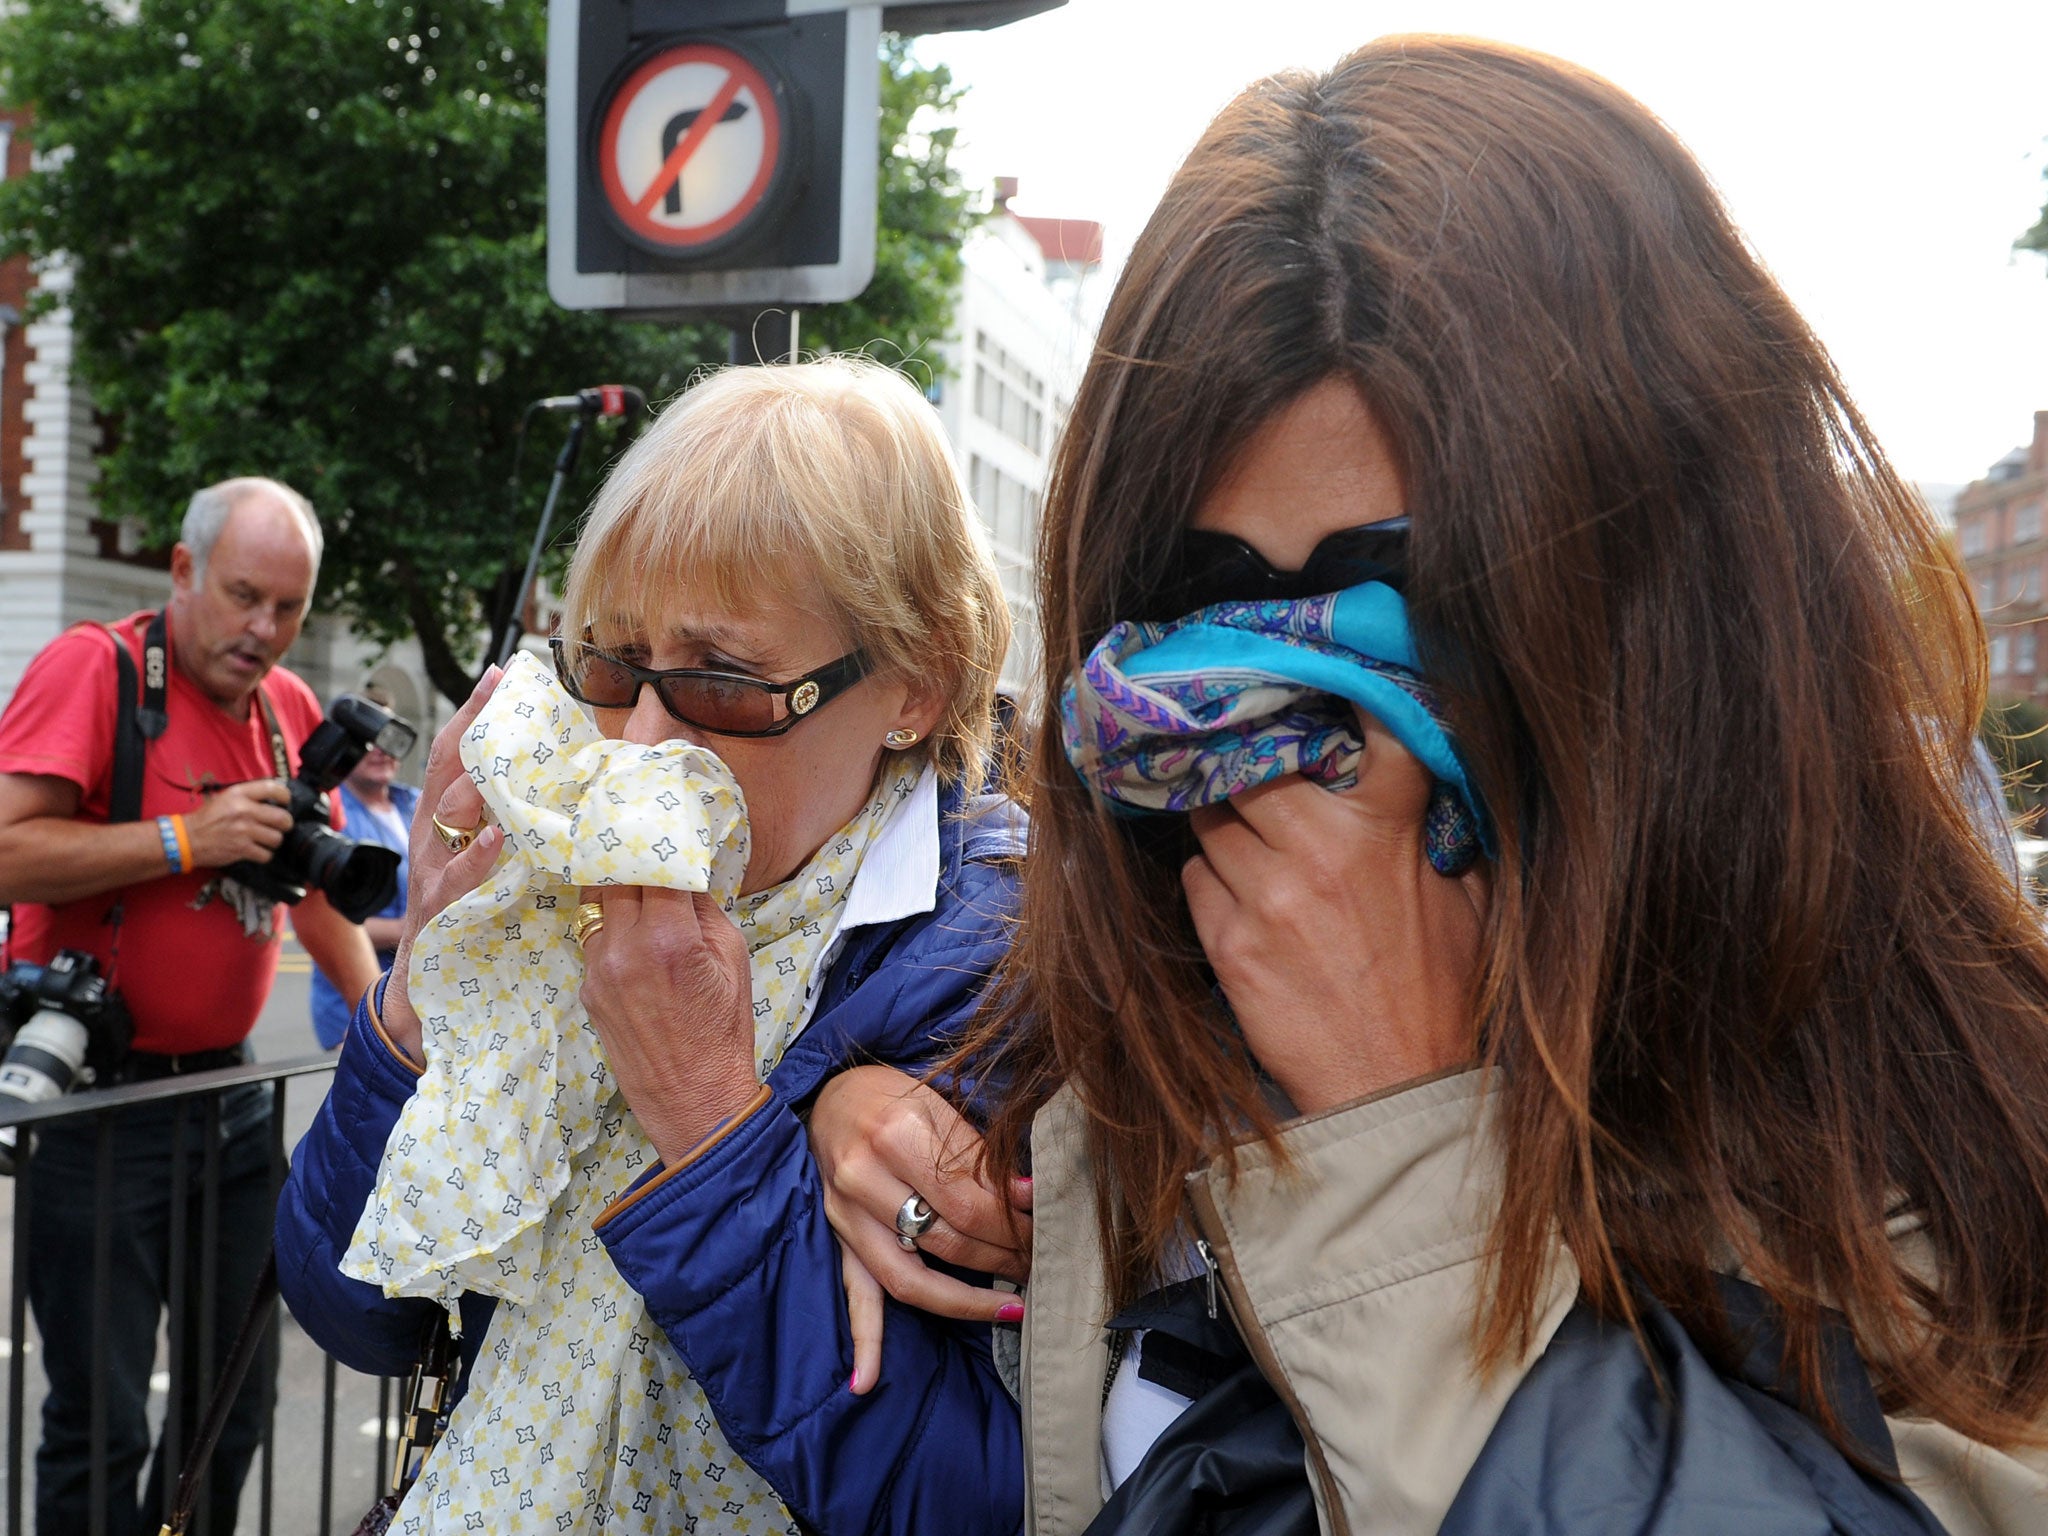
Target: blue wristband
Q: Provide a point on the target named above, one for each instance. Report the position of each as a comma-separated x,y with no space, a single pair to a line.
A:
169,834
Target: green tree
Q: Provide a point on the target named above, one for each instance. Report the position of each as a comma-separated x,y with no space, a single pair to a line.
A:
2016,731
924,213
308,242
2036,239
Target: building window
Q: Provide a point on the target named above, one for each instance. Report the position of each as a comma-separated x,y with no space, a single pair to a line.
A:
2026,523
1008,506
1008,395
2023,652
2029,585
1987,596
2001,655
1975,537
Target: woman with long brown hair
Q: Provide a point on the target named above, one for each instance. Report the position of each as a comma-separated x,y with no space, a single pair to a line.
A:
1735,1047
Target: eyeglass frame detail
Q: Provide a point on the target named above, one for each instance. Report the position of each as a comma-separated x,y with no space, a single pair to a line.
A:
801,696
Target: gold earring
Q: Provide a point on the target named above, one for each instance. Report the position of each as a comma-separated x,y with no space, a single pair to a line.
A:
897,740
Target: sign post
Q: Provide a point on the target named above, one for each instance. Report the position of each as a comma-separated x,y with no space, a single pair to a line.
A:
718,158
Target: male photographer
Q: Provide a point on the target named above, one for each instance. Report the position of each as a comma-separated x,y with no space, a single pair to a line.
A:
192,952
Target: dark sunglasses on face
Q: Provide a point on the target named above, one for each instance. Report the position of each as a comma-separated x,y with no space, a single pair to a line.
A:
723,703
1211,568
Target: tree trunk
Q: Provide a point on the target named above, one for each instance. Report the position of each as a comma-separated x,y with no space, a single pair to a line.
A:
444,668
504,614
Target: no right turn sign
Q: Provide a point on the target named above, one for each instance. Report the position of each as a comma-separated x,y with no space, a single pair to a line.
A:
690,150
721,155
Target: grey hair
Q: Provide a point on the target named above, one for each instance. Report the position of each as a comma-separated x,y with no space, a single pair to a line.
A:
207,513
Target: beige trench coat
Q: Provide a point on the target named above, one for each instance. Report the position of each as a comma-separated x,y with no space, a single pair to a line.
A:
1354,1282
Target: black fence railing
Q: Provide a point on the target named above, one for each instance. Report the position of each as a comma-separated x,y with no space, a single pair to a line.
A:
311,1401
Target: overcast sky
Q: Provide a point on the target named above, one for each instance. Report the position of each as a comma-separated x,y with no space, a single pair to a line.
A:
1881,158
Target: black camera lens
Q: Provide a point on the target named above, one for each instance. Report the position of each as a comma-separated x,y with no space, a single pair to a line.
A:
358,879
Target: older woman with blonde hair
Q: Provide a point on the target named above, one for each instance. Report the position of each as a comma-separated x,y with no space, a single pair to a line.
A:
781,594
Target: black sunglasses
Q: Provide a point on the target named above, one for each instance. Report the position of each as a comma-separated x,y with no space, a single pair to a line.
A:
1210,568
723,703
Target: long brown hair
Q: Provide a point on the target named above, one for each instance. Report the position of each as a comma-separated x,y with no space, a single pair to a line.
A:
1751,983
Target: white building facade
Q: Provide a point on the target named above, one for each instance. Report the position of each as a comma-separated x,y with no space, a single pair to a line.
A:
1020,342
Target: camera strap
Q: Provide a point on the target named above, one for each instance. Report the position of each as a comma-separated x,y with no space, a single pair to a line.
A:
137,722
279,759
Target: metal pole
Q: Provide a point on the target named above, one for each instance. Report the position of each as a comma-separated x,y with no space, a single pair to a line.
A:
565,465
766,336
17,1318
102,1307
327,1375
180,1307
209,1286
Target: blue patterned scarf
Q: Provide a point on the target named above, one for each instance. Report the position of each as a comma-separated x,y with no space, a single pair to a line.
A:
1167,717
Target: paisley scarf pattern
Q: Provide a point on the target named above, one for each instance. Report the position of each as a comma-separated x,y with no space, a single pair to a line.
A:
1168,717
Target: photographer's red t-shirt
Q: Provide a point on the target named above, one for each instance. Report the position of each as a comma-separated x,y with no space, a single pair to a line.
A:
193,978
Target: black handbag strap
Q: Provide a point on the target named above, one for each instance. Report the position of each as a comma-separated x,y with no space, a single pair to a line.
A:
429,1396
255,1323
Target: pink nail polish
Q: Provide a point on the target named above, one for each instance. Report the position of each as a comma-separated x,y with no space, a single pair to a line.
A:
853,1382
1010,1312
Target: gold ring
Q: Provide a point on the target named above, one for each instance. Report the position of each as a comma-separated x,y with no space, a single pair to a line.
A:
456,838
589,918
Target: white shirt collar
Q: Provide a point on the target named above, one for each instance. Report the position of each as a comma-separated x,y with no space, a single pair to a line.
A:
899,874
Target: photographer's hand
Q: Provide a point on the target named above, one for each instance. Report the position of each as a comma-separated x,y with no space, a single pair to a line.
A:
241,822
47,854
438,876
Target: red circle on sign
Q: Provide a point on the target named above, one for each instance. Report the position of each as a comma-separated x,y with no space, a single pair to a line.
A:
626,207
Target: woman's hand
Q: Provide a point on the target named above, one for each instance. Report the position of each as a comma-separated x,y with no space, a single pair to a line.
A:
669,992
439,877
879,1137
1349,962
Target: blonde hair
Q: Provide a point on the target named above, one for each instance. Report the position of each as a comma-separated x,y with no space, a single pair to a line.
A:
831,477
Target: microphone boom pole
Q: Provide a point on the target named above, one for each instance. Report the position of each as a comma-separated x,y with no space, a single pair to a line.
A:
606,400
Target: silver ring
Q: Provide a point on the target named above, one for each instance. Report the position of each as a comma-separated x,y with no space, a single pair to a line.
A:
913,1219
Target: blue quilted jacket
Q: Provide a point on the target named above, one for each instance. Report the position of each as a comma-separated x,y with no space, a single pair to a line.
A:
733,1254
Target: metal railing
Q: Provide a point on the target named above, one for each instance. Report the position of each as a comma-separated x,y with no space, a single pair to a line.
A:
195,1098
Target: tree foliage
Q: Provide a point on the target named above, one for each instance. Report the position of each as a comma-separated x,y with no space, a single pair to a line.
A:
2016,731
2036,239
308,242
924,213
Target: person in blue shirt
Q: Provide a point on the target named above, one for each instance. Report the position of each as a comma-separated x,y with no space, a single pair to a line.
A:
378,809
